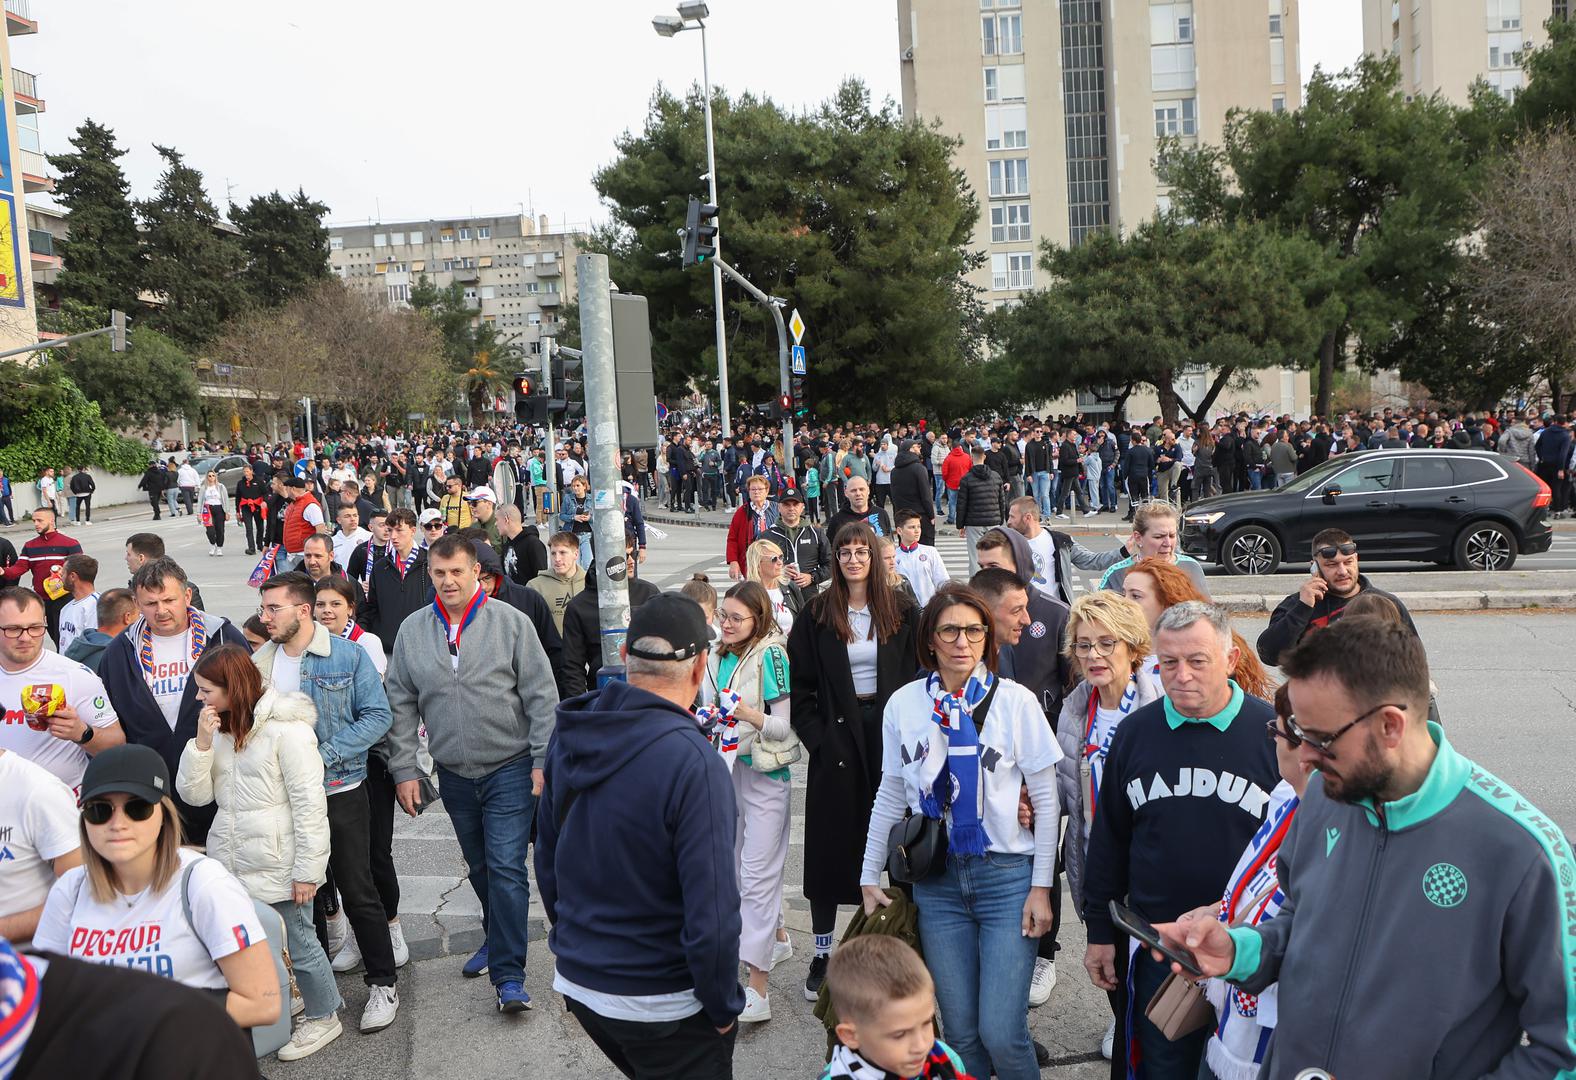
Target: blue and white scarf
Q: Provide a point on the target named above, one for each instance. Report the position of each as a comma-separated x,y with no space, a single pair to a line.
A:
958,785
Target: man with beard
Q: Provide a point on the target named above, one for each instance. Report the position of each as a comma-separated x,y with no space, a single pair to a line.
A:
1422,932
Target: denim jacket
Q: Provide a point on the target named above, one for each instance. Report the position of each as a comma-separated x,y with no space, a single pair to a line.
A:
352,709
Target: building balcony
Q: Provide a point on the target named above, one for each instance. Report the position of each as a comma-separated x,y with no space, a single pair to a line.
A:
35,172
19,18
551,268
548,299
42,246
25,86
464,273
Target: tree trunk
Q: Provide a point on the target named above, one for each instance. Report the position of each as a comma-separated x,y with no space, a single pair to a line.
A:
1554,392
1166,389
1321,405
1119,403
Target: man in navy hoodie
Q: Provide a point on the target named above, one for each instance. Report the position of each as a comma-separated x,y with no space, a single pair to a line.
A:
647,948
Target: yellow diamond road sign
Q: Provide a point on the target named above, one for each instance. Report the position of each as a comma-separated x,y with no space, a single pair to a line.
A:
796,325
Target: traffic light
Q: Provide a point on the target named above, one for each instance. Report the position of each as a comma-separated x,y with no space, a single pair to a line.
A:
700,232
523,386
800,408
530,407
568,393
117,333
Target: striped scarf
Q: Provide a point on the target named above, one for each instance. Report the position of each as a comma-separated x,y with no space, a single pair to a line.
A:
199,640
18,1006
958,785
940,1064
1096,749
402,566
351,632
366,570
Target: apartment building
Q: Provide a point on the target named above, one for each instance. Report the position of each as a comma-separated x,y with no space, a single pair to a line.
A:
1446,45
1061,105
516,271
23,171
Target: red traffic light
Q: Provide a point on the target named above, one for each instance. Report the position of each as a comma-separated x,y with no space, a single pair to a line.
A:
786,401
523,386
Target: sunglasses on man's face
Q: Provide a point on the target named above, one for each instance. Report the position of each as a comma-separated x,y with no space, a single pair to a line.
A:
1331,551
100,811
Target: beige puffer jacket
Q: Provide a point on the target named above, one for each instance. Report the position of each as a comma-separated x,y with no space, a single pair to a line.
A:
272,826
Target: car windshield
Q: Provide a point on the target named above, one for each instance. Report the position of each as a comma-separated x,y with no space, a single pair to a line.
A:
1317,475
205,464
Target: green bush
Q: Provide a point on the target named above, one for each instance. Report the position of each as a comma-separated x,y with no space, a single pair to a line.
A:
62,428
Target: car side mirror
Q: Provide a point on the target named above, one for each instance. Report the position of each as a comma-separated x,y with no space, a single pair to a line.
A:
1329,495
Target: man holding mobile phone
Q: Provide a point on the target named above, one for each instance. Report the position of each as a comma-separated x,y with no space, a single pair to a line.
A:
1334,581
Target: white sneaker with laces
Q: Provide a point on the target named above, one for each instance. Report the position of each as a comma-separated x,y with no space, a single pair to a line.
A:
1108,1041
349,957
757,1007
310,1036
382,1007
338,932
1043,982
781,951
397,940
1091,513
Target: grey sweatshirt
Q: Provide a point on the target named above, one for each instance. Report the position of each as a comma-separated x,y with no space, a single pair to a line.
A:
1420,940
498,707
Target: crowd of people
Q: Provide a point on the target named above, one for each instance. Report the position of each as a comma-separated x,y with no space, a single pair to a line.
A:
984,760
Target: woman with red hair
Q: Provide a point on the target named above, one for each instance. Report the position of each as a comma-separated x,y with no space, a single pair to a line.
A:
1155,585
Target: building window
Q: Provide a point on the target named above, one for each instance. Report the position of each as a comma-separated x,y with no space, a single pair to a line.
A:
1504,14
1009,223
1012,270
986,5
27,135
533,287
415,237
489,292
1171,67
533,318
1277,61
1004,83
1002,34
1170,24
397,239
484,232
336,243
1277,26
380,240
1007,127
528,260
1278,103
399,294
992,88
552,287
1504,50
1176,117
1506,83
465,234
1009,177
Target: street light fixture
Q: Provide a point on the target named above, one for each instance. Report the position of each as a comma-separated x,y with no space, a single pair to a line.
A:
692,15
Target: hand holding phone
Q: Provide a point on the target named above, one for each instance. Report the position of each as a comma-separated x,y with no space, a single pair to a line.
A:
1314,588
1137,927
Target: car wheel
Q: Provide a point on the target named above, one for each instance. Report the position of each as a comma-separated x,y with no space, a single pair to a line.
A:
1486,545
1251,551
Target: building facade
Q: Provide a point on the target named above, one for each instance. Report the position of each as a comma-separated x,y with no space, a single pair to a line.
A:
1446,45
23,172
516,272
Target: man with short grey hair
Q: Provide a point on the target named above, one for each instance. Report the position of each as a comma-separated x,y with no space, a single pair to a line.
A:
647,963
1186,784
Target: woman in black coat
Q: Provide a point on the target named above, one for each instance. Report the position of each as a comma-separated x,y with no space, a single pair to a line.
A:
855,645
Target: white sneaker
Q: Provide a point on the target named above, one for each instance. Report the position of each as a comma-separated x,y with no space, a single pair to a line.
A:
338,932
397,940
781,950
349,957
219,552
382,1007
1063,517
1108,1041
757,1007
1043,982
1091,513
310,1036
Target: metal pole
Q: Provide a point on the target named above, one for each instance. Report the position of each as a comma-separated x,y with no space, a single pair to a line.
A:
776,306
55,343
550,474
607,504
716,270
308,403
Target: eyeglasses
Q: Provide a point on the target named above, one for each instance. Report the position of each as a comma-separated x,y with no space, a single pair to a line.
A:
1330,551
730,620
1102,647
16,633
100,811
974,632
854,555
275,609
772,558
1295,736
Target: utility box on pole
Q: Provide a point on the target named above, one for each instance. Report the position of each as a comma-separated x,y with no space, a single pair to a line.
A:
637,399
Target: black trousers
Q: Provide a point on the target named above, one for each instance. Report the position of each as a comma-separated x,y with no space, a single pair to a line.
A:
687,1049
156,500
380,796
1548,472
349,840
216,526
252,521
85,508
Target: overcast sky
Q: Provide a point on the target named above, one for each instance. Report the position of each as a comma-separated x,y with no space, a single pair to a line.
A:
398,109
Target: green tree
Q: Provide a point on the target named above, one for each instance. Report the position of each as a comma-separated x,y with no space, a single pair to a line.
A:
194,264
1382,183
46,421
152,379
102,258
479,359
853,214
1549,98
286,246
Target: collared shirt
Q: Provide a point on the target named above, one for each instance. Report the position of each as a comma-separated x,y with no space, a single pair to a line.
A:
1220,721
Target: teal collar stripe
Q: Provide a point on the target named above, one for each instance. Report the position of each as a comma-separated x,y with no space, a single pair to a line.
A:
1445,779
1220,721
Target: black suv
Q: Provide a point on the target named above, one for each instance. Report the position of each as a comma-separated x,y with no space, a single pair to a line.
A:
1472,508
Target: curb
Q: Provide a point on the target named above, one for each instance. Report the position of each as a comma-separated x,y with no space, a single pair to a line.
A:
1437,600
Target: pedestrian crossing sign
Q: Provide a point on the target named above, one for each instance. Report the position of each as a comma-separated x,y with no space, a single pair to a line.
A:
799,360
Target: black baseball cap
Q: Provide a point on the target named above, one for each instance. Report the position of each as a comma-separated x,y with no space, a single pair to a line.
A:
295,481
129,769
675,618
791,496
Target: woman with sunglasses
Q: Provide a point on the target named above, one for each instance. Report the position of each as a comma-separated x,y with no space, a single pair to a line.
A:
124,906
763,563
854,646
958,745
256,756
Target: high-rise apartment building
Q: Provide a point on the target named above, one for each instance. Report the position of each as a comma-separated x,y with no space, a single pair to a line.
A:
23,171
1445,45
516,272
1061,105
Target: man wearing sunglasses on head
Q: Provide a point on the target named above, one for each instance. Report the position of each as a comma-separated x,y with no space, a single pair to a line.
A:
1323,597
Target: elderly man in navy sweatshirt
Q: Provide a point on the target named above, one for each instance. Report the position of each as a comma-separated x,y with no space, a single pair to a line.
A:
647,947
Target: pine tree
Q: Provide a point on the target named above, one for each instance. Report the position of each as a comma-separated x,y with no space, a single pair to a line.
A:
193,265
286,246
104,265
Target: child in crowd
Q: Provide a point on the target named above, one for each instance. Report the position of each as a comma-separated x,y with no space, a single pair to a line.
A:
886,1007
920,563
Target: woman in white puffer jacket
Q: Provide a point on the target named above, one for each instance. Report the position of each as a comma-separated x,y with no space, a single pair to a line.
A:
256,756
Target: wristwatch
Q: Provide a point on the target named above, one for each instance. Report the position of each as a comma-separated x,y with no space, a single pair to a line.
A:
87,735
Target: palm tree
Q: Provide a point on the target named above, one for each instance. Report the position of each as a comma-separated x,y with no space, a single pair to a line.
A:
490,371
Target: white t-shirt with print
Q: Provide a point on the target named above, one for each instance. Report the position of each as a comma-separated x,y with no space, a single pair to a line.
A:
172,666
148,932
780,610
84,692
38,824
1043,549
77,618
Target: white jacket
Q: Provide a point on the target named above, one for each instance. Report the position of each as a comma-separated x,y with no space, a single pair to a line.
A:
272,825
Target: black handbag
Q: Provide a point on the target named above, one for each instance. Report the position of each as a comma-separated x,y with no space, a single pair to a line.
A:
916,848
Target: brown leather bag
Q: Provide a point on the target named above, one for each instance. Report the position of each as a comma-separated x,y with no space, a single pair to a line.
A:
1179,1008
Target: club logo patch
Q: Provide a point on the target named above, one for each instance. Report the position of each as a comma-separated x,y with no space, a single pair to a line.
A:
1444,885
1037,629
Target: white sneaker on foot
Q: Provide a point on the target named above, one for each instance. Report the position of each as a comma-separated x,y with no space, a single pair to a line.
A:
1063,517
1109,1041
397,940
757,1007
781,950
1043,982
310,1036
1091,513
349,957
382,1007
338,932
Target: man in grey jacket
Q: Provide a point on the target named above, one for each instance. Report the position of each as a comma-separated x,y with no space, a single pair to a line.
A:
476,674
1426,924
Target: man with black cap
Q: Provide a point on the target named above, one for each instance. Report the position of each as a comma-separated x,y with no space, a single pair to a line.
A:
808,556
647,962
583,626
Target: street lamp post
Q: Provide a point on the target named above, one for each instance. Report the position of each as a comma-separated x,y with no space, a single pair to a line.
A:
692,15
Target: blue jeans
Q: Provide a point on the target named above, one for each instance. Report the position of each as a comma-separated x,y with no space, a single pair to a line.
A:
492,820
1108,486
585,550
308,961
1163,1059
1255,480
172,500
971,925
952,506
940,491
1042,492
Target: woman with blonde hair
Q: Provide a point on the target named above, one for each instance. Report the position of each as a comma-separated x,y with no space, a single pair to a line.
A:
1155,585
763,564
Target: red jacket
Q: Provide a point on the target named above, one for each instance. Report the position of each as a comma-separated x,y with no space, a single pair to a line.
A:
43,555
954,465
743,530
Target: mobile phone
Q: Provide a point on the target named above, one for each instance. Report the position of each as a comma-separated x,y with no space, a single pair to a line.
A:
1313,568
1134,925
